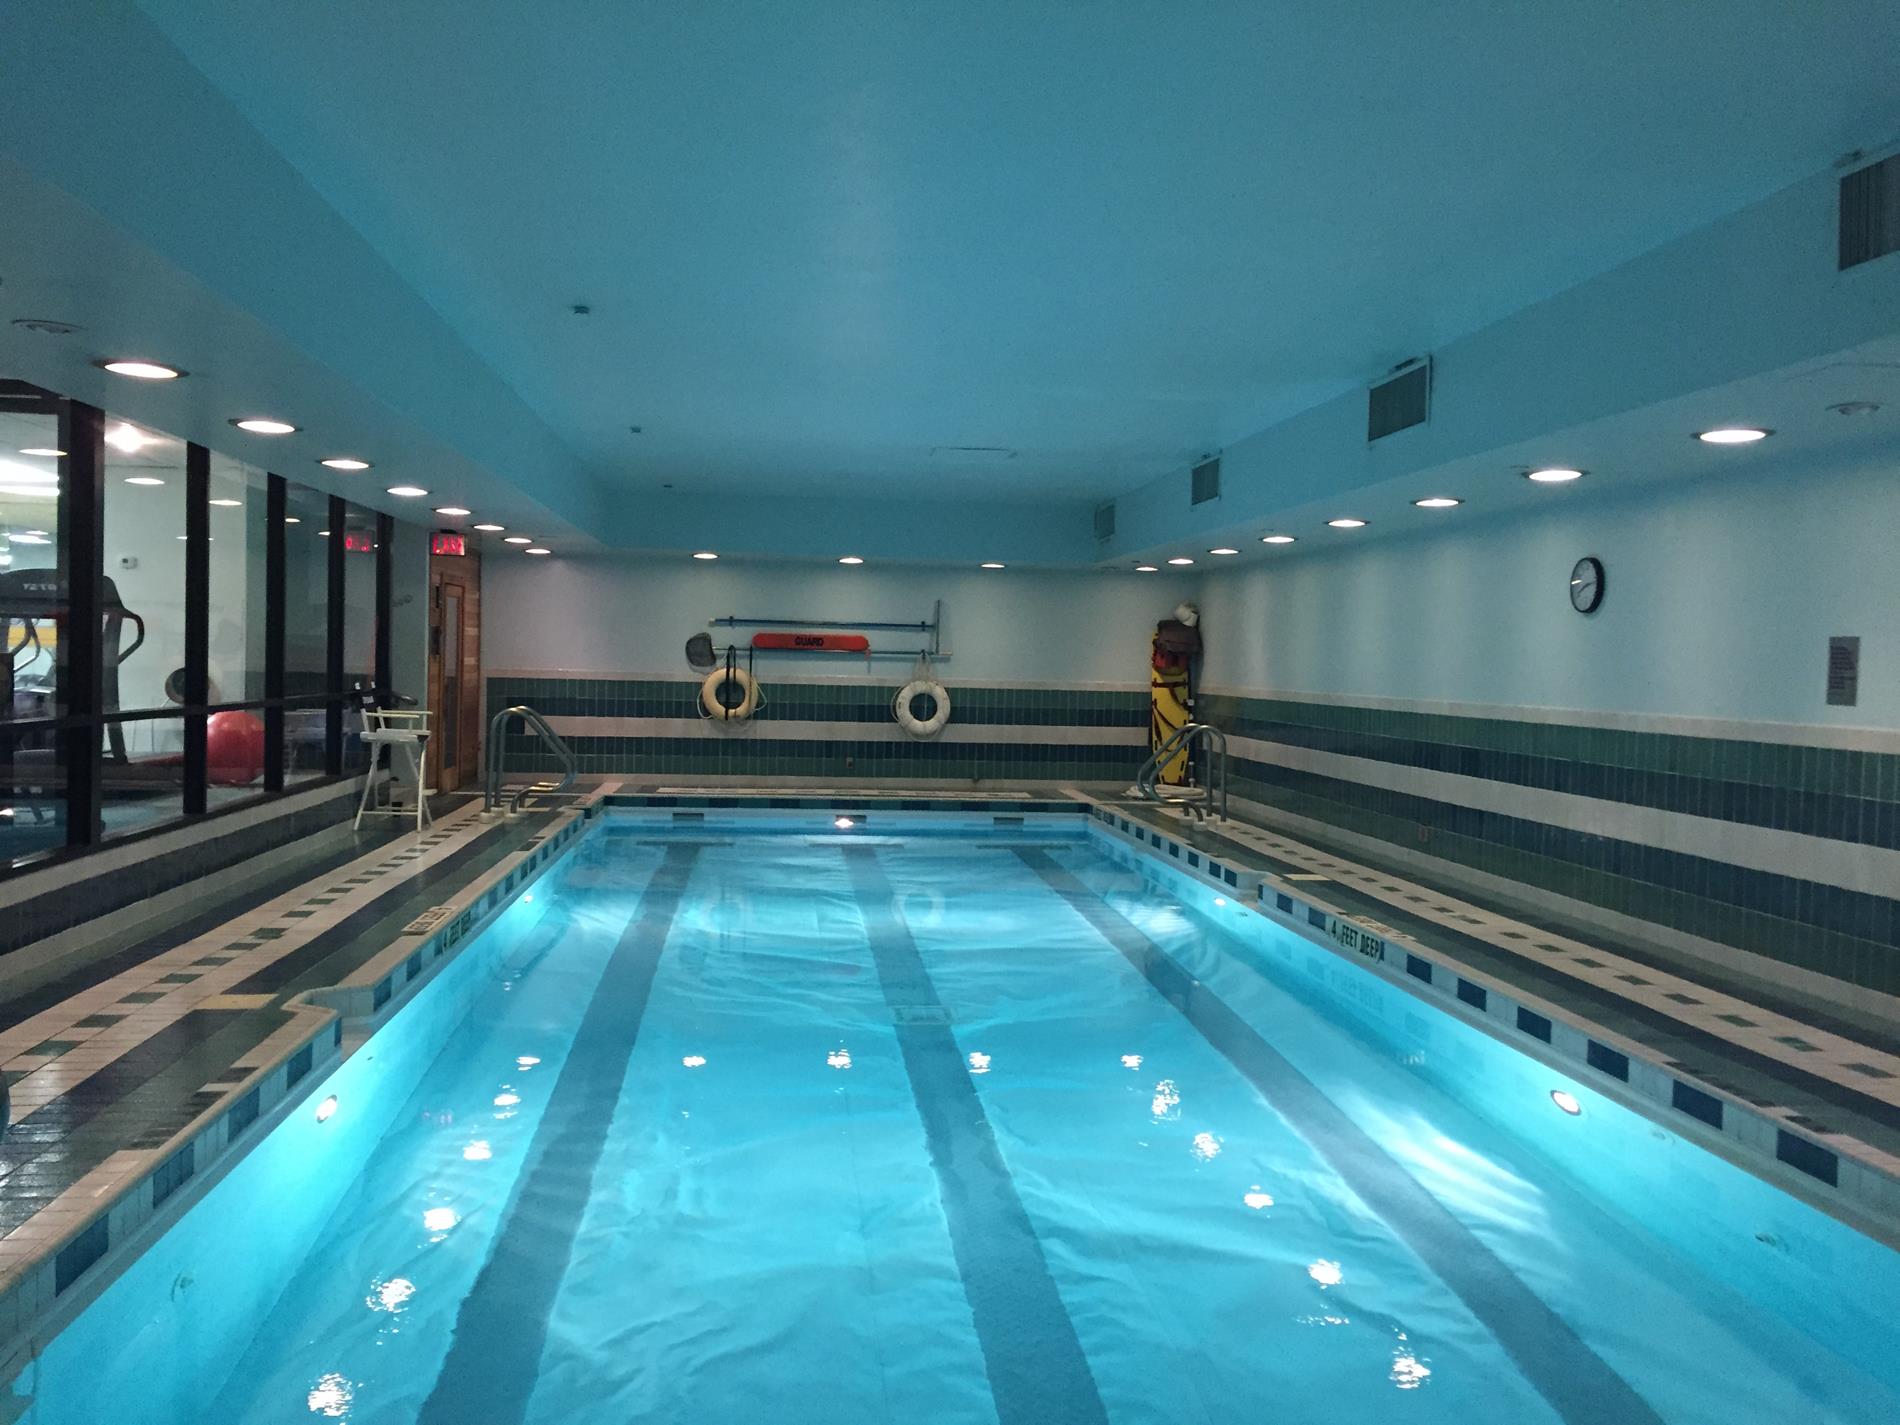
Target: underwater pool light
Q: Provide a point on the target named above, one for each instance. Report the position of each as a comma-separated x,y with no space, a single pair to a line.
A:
327,1109
1733,435
844,823
1566,1101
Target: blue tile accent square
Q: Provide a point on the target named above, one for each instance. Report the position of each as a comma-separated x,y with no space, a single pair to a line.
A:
1696,1104
1810,1158
1473,995
1534,1025
242,1115
1606,1060
1418,969
380,996
85,1249
174,1172
298,1066
1316,917
1283,902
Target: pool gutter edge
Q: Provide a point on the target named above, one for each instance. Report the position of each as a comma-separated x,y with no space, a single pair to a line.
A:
1863,1195
43,1292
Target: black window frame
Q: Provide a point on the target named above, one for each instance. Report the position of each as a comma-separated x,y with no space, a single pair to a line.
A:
79,727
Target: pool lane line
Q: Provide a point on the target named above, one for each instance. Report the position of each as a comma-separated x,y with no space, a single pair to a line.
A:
1037,1372
1576,1382
502,1325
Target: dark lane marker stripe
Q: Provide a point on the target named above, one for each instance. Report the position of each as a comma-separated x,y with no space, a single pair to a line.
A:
502,1326
1038,1374
1577,1382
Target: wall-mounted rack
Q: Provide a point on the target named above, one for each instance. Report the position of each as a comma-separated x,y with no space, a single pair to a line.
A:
932,627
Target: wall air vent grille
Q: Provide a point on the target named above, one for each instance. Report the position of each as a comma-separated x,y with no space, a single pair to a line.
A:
1205,482
1870,212
1400,401
1105,521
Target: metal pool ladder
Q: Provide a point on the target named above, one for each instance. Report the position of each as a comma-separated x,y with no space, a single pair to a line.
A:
1197,801
497,755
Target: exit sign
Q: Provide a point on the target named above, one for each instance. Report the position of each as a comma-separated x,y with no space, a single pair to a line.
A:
447,541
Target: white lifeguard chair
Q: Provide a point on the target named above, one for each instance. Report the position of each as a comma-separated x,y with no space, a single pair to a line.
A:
394,729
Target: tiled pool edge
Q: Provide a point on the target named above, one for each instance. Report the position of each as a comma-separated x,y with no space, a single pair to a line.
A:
1836,1173
44,1286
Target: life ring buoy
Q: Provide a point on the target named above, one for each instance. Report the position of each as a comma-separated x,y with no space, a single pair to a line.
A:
711,691
908,720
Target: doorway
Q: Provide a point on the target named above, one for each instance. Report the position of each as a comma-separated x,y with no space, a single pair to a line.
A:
455,670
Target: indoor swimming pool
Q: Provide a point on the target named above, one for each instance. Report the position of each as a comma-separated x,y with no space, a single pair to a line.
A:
885,1122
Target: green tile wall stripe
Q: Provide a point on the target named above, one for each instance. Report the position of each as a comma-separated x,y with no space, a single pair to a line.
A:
1844,934
807,702
709,753
1781,787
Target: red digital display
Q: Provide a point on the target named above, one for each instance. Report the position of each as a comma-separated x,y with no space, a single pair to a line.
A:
357,541
447,541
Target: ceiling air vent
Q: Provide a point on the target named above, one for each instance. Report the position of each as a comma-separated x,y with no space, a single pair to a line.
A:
1105,521
1870,212
1205,484
1401,400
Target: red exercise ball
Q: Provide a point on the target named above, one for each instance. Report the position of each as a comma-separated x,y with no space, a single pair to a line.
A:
234,748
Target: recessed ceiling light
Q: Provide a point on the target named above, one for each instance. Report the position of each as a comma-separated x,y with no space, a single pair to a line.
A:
517,539
43,450
537,550
491,528
29,538
142,370
1146,569
263,425
705,554
323,533
143,480
292,519
1223,550
992,565
454,511
1733,435
227,504
1276,539
1555,475
344,462
407,492
186,536
1438,502
850,559
127,437
1347,522
1180,559
1566,1101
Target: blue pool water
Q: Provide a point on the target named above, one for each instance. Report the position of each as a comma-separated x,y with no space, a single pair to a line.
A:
1010,1127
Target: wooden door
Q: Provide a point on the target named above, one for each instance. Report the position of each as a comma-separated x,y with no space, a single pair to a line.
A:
455,672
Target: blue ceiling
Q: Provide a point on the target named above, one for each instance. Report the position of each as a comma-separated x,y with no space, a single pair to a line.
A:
823,243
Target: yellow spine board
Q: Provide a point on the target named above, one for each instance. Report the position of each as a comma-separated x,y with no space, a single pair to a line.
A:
1167,715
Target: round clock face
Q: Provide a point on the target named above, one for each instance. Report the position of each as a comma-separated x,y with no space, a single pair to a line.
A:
1586,584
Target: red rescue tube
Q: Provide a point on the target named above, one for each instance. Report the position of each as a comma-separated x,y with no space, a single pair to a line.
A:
814,642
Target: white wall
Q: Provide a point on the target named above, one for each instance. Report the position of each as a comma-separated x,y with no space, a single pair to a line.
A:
632,615
1719,600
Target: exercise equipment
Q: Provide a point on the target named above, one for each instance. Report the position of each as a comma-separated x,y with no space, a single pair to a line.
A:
234,748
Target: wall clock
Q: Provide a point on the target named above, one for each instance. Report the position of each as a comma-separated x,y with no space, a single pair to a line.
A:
1586,584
